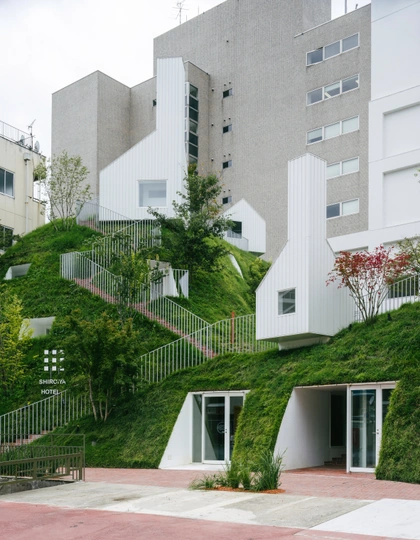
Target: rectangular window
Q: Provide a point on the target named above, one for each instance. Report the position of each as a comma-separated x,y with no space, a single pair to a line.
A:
228,128
228,93
287,302
343,208
332,90
193,114
152,193
193,150
193,91
347,166
227,200
6,237
227,164
333,130
6,182
333,49
193,139
193,126
237,227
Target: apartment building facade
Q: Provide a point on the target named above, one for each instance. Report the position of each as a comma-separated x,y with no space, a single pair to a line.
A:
20,210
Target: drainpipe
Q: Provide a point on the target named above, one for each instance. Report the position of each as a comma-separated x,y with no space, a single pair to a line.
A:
26,157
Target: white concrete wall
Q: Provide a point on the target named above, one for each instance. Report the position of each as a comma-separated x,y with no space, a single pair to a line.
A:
159,156
179,448
253,225
303,264
304,431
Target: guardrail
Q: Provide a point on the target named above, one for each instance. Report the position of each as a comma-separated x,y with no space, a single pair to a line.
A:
28,463
146,299
237,240
32,421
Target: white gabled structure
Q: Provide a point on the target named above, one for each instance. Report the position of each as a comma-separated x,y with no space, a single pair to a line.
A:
152,172
253,228
294,305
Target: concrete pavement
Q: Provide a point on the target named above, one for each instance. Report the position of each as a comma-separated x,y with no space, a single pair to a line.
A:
134,504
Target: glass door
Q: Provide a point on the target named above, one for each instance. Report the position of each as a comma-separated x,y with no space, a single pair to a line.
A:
220,418
367,408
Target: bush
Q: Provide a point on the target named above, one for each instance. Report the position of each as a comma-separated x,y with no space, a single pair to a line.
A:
267,471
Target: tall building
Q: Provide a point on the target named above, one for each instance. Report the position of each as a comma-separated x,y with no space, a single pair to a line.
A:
20,209
244,88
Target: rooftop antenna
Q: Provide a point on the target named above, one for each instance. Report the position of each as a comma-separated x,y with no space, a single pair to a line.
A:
30,133
180,7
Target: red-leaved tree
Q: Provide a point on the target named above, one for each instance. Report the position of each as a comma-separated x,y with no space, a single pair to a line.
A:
367,275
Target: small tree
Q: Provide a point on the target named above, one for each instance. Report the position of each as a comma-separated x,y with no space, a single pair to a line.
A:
367,275
411,246
100,355
14,339
63,181
192,238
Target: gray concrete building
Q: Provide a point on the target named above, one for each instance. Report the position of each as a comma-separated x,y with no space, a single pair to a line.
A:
271,80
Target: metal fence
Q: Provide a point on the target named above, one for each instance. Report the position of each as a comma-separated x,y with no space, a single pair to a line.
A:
237,240
32,421
236,335
28,463
146,299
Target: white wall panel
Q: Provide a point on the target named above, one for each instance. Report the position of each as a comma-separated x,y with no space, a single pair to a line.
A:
179,448
402,130
159,156
253,225
303,264
401,194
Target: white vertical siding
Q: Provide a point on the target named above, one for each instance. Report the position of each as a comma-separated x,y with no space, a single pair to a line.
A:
303,264
253,225
159,156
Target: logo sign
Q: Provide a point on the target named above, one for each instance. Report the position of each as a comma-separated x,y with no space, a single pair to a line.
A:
220,427
54,371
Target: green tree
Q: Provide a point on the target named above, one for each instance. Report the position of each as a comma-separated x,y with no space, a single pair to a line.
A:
14,339
191,239
63,181
101,357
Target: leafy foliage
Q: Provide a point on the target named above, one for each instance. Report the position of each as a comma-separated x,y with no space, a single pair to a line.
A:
14,339
367,275
63,180
192,239
100,356
411,247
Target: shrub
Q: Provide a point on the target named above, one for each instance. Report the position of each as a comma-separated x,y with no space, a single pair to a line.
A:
267,471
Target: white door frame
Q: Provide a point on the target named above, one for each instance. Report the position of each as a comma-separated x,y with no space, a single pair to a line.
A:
225,396
378,387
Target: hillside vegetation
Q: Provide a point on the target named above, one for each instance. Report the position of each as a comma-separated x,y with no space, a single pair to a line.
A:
389,350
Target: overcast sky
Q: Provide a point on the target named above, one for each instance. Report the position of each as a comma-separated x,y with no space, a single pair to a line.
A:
48,44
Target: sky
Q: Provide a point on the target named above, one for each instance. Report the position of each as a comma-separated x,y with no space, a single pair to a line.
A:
48,44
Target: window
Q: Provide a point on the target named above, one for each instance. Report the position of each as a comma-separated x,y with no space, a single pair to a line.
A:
228,128
193,126
228,93
193,91
6,237
194,103
6,182
287,302
227,164
237,227
334,49
152,193
332,90
192,115
332,130
347,166
227,200
343,208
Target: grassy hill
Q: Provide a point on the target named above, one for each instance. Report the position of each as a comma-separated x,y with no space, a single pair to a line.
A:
137,434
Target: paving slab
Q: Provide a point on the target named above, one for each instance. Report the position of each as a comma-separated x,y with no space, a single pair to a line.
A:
388,517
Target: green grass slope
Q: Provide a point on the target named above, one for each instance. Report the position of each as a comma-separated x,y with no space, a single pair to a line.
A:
136,435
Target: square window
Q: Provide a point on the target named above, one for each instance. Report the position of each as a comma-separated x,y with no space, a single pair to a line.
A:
332,130
332,50
152,193
227,164
350,207
350,166
333,210
192,159
351,42
314,136
351,83
314,96
333,170
351,124
237,227
314,57
227,93
287,302
227,200
228,128
331,90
